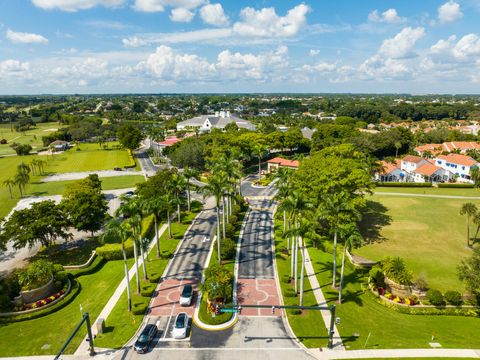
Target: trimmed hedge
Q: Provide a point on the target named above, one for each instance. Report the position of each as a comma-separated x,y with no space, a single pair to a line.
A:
435,297
147,289
228,249
455,185
114,251
403,184
453,298
131,161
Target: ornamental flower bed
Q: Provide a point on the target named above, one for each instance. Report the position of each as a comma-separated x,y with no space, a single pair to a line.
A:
44,302
413,300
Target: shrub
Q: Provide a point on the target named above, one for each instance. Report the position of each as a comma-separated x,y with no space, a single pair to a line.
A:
403,184
376,277
455,185
58,285
228,249
147,289
229,231
435,297
5,303
139,309
453,298
396,270
421,283
154,278
61,276
57,268
114,251
38,273
294,311
233,219
286,279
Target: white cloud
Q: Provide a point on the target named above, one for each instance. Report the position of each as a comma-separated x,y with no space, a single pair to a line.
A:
389,16
266,22
321,67
213,14
13,68
160,5
443,46
449,12
106,24
75,5
314,52
402,44
181,15
177,37
25,38
466,49
467,46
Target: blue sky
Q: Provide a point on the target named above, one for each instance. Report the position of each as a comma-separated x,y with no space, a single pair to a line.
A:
120,46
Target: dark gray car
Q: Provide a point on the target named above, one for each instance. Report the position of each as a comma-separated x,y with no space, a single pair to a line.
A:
143,342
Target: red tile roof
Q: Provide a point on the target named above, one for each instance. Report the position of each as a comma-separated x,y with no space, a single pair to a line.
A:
427,169
432,148
413,159
169,141
284,162
388,167
458,159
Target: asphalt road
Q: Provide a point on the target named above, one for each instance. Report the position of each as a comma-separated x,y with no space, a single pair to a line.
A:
148,167
256,254
250,190
190,258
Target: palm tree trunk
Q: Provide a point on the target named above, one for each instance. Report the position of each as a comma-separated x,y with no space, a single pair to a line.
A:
259,167
334,259
295,269
468,230
223,216
169,225
284,222
145,275
230,205
127,279
302,273
341,275
218,235
292,263
10,191
188,197
178,212
157,241
135,254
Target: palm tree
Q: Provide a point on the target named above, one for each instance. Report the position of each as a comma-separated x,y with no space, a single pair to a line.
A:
337,209
216,188
22,177
178,185
189,173
168,203
352,236
10,183
131,210
117,229
156,207
258,150
470,210
283,188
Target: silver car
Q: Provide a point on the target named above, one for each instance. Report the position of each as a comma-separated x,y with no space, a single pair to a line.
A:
186,296
181,326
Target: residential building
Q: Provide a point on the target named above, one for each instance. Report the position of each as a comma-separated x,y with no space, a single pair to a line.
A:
205,123
452,146
410,163
278,162
390,172
431,173
459,165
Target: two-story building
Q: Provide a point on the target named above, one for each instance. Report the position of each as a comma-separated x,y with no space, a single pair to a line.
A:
390,172
205,123
459,165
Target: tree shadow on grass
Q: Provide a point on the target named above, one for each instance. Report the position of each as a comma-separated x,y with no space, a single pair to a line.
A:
374,218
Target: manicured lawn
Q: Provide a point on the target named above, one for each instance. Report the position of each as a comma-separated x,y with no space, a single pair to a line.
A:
429,233
361,315
430,191
122,325
308,326
32,137
28,337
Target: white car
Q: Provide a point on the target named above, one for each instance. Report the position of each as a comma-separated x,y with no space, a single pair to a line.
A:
186,295
181,325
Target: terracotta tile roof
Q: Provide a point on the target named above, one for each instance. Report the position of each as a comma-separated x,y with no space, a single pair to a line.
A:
427,169
388,167
412,158
458,159
432,148
169,141
284,162
461,145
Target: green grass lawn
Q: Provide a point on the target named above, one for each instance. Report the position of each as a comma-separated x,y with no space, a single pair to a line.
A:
28,337
361,315
429,191
89,158
308,326
122,325
32,137
429,233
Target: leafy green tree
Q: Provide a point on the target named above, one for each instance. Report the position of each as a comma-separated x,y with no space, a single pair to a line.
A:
129,136
21,149
469,209
218,282
469,273
43,223
85,204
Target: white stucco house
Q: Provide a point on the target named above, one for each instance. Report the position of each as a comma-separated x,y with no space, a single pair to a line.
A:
459,165
390,172
205,123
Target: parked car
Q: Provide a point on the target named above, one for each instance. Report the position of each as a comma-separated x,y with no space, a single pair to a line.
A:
181,325
117,169
186,296
143,342
129,194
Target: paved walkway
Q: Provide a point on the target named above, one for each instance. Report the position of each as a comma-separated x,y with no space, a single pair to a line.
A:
166,302
258,292
317,291
107,309
397,353
82,175
428,195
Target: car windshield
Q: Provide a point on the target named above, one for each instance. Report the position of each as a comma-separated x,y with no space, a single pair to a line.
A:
187,291
180,323
142,338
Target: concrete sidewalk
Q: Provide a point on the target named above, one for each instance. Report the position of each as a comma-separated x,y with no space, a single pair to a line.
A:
107,309
317,291
397,353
